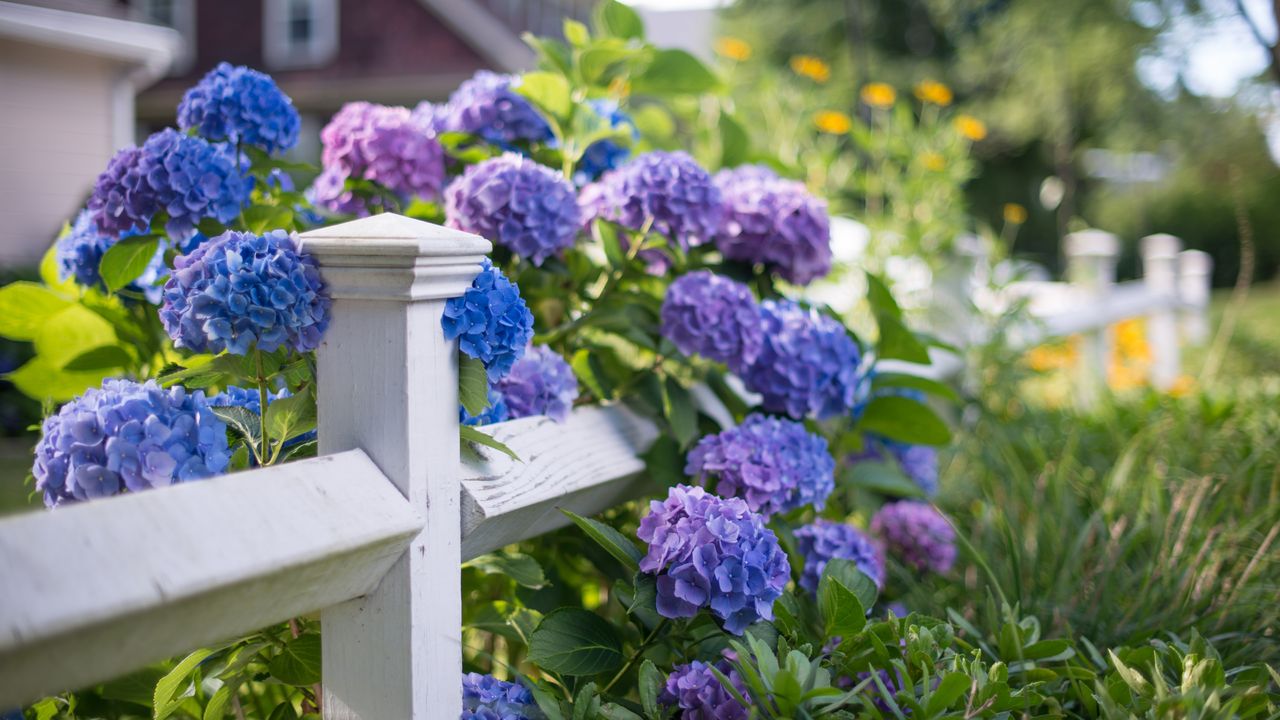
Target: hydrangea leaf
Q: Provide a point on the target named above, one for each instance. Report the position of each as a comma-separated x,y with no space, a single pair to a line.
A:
169,685
291,416
905,420
677,407
25,307
572,641
470,434
521,568
123,262
614,542
915,382
473,384
243,422
549,91
40,380
105,357
70,332
619,20
299,662
882,477
675,72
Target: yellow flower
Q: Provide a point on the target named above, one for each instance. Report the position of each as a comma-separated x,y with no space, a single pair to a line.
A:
620,87
1014,214
878,95
1055,356
1183,386
733,48
931,91
1131,341
933,161
832,121
971,127
811,67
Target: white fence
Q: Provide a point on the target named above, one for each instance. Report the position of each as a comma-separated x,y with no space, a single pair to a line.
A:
371,533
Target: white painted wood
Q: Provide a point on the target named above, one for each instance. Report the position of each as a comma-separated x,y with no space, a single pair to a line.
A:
1160,275
388,383
1195,281
1091,266
96,590
588,464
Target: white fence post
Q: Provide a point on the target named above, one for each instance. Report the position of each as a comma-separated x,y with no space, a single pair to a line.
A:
1160,276
388,384
1091,268
1195,279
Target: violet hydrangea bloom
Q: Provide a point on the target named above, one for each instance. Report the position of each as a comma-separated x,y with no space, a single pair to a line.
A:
496,412
383,144
606,154
517,203
823,540
715,317
775,465
917,534
128,436
122,200
774,222
79,253
239,290
808,364
699,695
485,697
487,106
540,383
491,321
242,106
711,552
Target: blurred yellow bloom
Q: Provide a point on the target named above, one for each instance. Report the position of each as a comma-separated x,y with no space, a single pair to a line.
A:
878,95
620,87
1058,356
733,48
971,127
1183,386
1122,377
811,67
931,91
832,121
933,161
1014,214
1131,341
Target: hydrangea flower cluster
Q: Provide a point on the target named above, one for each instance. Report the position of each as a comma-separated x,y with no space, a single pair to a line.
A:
917,534
242,106
491,321
516,202
711,552
699,695
823,540
487,106
241,289
808,364
485,697
775,465
774,222
496,412
540,383
128,436
79,253
603,155
715,317
247,398
186,177
384,144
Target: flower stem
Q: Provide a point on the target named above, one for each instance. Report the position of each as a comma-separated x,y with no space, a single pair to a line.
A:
638,654
262,414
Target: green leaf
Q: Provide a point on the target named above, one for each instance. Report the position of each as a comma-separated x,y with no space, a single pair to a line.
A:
572,641
204,371
40,380
651,684
885,478
299,662
587,366
284,711
217,707
1131,677
51,272
847,572
677,406
897,342
548,91
905,420
1057,649
950,689
607,233
138,688
467,433
664,462
586,704
842,612
619,20
915,382
576,33
524,570
25,307
105,357
880,299
244,422
123,262
547,700
735,145
614,542
473,384
168,686
675,72
265,218
71,332
291,416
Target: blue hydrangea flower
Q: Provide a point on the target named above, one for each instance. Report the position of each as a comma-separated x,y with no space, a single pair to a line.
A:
240,290
191,179
491,321
823,540
715,317
128,436
383,144
540,383
808,364
486,105
603,155
917,535
79,253
774,222
496,412
711,552
485,697
122,200
242,106
517,203
775,465
699,695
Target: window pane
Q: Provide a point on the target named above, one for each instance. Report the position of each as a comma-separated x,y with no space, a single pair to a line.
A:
300,22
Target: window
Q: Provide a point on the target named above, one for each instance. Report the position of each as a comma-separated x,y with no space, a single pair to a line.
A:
299,33
177,14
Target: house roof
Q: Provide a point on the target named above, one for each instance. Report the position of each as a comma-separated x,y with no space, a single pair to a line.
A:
485,33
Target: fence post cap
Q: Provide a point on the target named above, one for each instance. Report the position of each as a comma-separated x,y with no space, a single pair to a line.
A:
1195,261
1160,246
1097,243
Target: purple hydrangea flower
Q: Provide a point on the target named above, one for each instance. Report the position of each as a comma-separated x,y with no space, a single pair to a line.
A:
540,383
79,254
241,289
496,412
715,317
823,540
775,465
517,203
491,321
917,534
774,222
711,552
487,106
384,144
808,364
485,697
603,155
128,436
240,105
699,695
186,177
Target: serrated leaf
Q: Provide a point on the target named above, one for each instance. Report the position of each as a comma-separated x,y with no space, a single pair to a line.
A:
473,384
298,662
842,613
905,420
25,307
168,686
123,262
468,433
244,422
289,417
521,568
613,542
572,641
217,707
